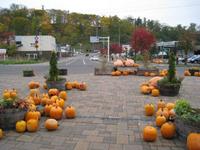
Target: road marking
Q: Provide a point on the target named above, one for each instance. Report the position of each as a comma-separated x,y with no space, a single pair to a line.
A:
70,61
84,61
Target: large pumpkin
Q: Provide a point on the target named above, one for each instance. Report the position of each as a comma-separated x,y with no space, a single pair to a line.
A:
32,125
63,95
193,141
160,104
149,109
160,120
20,126
168,130
56,112
149,134
155,92
70,112
153,81
51,124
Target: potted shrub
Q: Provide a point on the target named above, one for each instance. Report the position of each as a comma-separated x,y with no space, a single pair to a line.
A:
187,118
142,41
170,85
53,80
12,109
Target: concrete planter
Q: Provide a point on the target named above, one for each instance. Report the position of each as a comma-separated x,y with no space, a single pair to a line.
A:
141,71
60,85
99,71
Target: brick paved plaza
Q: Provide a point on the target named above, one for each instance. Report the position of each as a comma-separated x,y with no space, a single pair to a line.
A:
110,116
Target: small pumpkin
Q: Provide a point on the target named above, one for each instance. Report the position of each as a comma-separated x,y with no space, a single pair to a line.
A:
168,130
31,85
125,73
1,133
36,99
144,89
152,74
170,106
32,107
32,125
56,112
113,73
47,109
149,134
160,120
82,86
44,100
193,141
187,73
51,124
146,74
118,73
20,126
155,92
53,92
196,74
13,93
70,112
63,95
32,115
68,86
60,102
45,86
172,113
33,92
6,94
163,111
160,104
149,109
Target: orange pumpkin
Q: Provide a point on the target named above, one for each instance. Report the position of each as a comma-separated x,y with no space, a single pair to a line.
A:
144,89
155,92
13,93
172,113
113,73
56,112
47,109
149,134
52,100
32,115
68,86
6,94
60,102
82,86
53,92
70,112
160,104
118,73
160,120
170,106
33,92
31,107
193,141
149,109
44,101
36,100
125,73
31,85
152,74
32,125
45,86
168,130
63,95
51,124
1,133
20,126
146,74
196,74
187,73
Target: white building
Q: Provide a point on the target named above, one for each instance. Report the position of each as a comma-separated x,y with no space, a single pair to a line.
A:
26,45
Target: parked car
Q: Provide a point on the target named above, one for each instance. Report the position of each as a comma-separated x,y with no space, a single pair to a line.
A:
94,58
191,58
194,59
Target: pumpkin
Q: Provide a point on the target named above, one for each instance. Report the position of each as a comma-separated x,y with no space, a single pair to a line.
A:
32,107
45,86
155,92
152,74
1,133
13,93
187,73
163,112
68,86
31,85
47,109
193,141
118,63
162,74
32,115
118,73
44,101
144,89
56,112
6,94
36,100
160,120
51,124
196,74
136,65
60,102
129,62
168,130
20,126
125,73
70,112
53,92
172,113
113,73
149,134
82,86
51,100
151,88
160,104
32,125
146,74
63,95
149,109
75,84
170,106
33,92
153,81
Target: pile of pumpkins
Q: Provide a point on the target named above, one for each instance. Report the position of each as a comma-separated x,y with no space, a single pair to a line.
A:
165,112
187,73
157,61
75,85
165,116
162,73
9,94
125,63
51,105
124,73
151,87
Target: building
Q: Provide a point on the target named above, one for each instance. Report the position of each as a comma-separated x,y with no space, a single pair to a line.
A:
26,46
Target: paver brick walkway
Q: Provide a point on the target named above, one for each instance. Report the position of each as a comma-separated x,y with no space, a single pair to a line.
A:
110,116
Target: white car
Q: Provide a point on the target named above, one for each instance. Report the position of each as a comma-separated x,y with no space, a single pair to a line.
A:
94,58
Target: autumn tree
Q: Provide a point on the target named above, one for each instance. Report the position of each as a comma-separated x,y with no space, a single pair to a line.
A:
142,40
115,48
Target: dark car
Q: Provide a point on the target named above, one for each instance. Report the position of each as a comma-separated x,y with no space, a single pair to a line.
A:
86,54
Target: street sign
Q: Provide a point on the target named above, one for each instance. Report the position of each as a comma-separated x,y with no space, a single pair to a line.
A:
94,39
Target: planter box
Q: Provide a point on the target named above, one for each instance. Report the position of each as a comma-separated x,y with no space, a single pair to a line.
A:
62,72
169,90
141,71
9,118
183,128
192,71
60,85
28,73
98,71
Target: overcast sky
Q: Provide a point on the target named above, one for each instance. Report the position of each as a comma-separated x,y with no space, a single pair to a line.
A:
171,12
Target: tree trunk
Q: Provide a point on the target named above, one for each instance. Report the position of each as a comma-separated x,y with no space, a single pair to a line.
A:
186,58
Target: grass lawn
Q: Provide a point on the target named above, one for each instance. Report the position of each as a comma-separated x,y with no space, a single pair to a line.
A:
19,61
